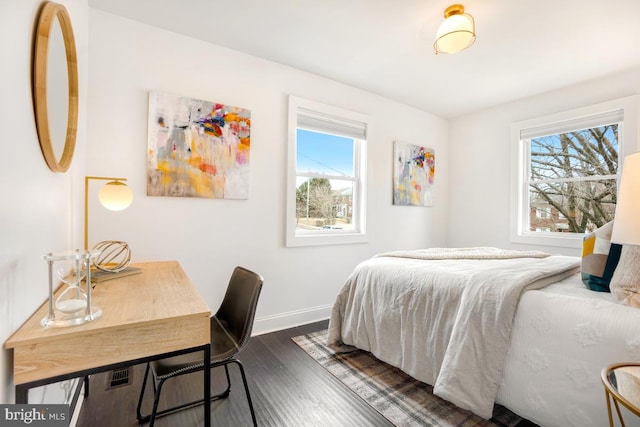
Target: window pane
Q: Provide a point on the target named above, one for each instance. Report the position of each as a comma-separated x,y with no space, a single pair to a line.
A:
582,153
575,207
323,204
322,153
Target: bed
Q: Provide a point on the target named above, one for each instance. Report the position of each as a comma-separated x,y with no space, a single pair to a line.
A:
485,326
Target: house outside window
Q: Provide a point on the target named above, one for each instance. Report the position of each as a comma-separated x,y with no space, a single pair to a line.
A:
327,175
565,171
542,212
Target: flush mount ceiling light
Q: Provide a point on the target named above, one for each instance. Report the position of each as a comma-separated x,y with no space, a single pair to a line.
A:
457,32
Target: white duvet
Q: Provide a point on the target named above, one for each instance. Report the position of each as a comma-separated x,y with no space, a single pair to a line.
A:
446,322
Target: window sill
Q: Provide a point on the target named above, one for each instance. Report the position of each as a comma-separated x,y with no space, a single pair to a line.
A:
571,240
297,240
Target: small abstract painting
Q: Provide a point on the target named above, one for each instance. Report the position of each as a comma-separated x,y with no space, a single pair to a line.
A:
197,148
413,174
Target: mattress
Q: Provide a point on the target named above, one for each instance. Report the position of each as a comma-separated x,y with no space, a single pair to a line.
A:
563,336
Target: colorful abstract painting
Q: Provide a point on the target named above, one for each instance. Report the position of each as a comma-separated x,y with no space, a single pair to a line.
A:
197,148
413,174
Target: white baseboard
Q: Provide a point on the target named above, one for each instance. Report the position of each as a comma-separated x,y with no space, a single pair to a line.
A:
277,322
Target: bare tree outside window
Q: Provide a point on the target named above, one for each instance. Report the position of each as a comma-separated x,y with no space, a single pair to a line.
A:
314,203
572,175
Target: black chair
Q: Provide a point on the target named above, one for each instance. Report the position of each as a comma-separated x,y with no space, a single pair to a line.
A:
230,331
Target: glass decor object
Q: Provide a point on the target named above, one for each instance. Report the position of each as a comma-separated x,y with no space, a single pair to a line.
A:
70,304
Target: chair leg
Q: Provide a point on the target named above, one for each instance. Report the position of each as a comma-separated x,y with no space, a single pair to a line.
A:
157,389
246,388
143,418
156,393
228,389
156,400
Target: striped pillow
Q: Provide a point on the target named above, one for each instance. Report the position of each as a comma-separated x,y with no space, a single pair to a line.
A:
599,258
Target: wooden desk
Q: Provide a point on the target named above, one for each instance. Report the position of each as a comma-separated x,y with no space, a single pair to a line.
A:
146,316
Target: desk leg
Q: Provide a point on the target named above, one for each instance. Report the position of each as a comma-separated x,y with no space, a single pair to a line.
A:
207,385
22,394
86,386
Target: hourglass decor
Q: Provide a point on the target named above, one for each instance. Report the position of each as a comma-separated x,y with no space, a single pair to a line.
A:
70,304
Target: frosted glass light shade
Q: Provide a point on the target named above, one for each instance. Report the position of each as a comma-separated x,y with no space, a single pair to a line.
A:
115,196
626,225
457,32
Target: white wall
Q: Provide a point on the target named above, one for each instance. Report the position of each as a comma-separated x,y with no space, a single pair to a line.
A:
121,60
39,208
480,153
209,237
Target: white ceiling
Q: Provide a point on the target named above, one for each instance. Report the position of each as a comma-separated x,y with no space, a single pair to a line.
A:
523,47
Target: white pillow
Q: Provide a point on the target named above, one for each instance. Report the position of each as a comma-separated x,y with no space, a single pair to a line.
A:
625,283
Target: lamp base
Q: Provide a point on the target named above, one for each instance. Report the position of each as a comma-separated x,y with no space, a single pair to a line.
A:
625,283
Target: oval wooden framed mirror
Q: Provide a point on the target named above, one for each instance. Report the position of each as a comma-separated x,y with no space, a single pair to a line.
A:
55,86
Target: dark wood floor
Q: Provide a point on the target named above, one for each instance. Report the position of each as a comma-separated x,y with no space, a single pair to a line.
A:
288,388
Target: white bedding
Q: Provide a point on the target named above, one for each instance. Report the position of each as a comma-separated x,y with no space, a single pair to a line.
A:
562,336
446,322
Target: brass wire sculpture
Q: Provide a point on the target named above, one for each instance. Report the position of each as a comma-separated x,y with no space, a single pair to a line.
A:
115,256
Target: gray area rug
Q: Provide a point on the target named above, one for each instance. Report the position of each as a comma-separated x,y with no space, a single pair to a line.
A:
401,399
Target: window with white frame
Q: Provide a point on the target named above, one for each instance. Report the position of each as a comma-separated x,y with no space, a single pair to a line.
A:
326,177
565,171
